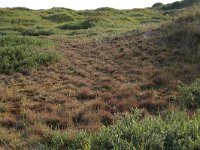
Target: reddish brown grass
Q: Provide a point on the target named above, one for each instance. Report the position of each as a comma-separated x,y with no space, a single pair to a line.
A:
91,87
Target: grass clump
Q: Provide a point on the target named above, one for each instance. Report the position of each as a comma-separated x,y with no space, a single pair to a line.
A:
22,52
11,140
189,95
173,131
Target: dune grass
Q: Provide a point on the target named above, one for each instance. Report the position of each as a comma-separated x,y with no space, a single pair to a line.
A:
61,21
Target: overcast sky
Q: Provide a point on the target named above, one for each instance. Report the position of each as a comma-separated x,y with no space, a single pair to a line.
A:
81,4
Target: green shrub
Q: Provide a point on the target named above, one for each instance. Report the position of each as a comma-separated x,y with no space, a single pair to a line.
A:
175,5
21,52
189,95
60,17
79,25
157,5
181,4
174,131
4,32
36,31
59,140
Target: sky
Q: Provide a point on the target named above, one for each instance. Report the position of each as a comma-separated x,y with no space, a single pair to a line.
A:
81,4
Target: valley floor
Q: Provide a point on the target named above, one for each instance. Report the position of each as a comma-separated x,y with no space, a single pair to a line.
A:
93,84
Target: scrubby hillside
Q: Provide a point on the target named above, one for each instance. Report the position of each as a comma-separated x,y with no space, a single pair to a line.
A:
72,80
182,35
177,4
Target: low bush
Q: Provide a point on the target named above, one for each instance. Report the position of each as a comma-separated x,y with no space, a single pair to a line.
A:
174,131
84,24
180,4
36,31
22,52
189,95
157,5
79,25
60,17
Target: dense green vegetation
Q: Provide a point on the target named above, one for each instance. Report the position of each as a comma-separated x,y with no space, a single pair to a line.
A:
18,53
61,21
181,4
189,96
173,131
176,5
60,17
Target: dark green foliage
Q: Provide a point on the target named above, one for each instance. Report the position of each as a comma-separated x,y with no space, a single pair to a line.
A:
79,25
20,8
36,31
60,17
181,4
157,5
184,32
189,96
18,53
174,131
175,5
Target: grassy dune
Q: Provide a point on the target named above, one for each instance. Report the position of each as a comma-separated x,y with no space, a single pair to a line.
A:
100,79
60,21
